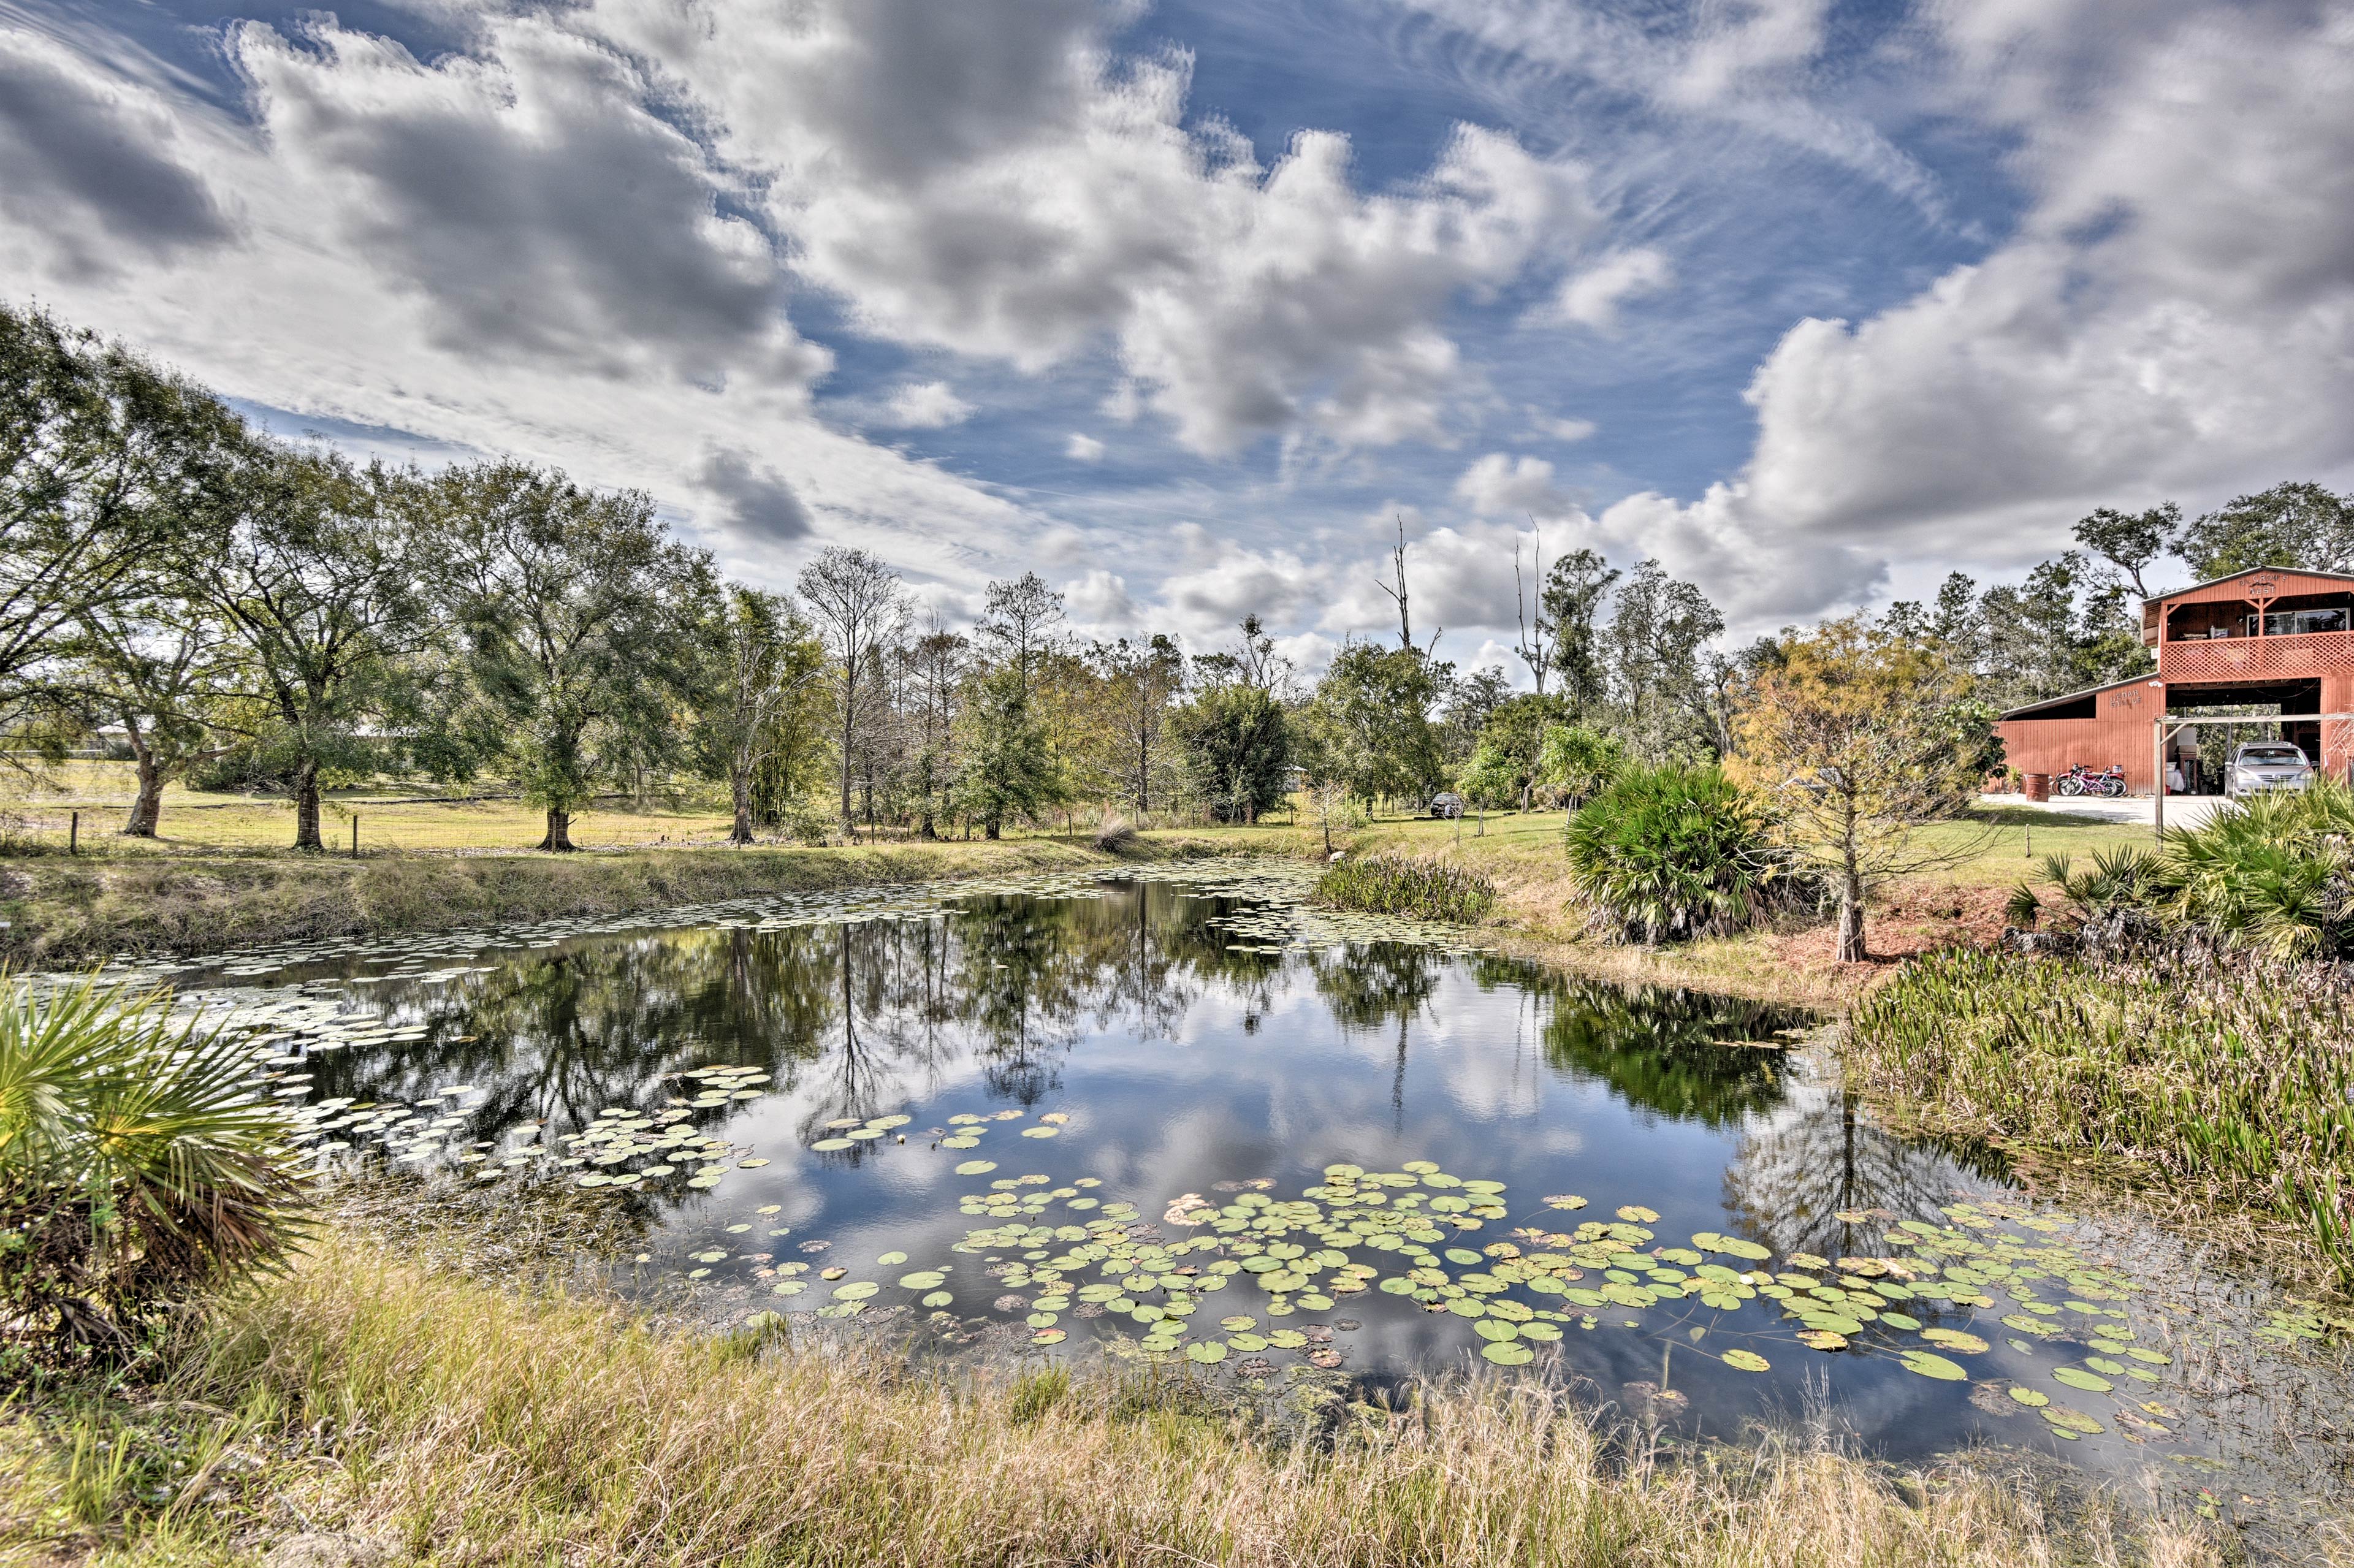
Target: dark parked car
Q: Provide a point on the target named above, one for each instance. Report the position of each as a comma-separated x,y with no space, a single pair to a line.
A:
1449,804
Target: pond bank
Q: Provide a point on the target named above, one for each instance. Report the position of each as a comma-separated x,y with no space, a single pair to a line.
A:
366,1397
63,911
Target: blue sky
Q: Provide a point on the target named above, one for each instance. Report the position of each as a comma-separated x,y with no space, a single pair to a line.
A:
1183,305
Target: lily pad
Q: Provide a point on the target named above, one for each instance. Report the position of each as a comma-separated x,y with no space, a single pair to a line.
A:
1954,1339
971,1167
1495,1329
2031,1398
831,1145
2078,1377
2068,1420
1822,1340
939,1299
1638,1214
1566,1201
857,1291
923,1279
1508,1353
1206,1350
890,1259
1928,1364
1745,1361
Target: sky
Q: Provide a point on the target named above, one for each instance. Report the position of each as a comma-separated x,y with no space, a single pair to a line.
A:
1188,306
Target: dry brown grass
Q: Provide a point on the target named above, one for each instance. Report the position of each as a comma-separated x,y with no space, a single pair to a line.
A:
462,1423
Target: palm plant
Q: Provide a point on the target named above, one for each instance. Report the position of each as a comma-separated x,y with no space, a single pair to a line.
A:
1673,852
138,1162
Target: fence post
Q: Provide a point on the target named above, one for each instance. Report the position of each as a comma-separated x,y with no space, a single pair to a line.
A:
73,834
355,835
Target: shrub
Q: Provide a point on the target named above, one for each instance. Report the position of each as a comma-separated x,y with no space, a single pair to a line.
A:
138,1162
1673,852
2273,875
1115,836
1400,884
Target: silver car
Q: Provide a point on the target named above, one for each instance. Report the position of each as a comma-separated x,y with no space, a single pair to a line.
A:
2264,765
1448,805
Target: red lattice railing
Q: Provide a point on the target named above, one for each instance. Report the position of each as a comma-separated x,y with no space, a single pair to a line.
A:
2258,658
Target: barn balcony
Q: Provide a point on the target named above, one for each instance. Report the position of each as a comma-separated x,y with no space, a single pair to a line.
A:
2238,660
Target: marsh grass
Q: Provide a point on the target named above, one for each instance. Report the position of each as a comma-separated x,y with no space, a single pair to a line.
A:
461,1423
1407,886
2231,1087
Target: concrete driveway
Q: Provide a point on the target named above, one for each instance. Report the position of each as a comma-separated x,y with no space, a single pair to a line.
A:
2182,811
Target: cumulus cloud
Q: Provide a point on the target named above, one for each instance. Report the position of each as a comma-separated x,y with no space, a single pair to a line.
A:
1499,484
760,505
927,405
1083,449
1592,297
1100,599
2175,315
530,195
94,163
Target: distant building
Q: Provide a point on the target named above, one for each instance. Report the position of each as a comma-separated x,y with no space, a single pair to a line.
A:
2265,637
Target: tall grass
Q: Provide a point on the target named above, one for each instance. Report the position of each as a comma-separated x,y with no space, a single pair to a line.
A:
2231,1086
1669,853
1405,885
461,1423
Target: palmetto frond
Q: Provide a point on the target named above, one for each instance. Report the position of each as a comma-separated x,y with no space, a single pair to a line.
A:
138,1160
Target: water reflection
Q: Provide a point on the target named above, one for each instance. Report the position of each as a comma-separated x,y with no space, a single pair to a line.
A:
1190,1040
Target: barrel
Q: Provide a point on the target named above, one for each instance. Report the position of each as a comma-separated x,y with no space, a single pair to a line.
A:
2037,785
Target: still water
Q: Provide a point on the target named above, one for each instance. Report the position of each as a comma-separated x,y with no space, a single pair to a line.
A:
1192,1117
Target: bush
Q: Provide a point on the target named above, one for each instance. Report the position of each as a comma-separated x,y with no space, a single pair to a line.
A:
138,1164
1673,852
2273,875
1399,884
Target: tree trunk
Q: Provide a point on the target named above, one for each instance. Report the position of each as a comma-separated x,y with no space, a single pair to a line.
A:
989,828
741,833
559,832
147,805
1850,919
306,806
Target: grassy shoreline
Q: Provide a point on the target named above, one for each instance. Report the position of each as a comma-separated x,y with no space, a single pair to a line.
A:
66,911
451,1421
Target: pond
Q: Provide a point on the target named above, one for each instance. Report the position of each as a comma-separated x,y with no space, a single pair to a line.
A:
1180,1114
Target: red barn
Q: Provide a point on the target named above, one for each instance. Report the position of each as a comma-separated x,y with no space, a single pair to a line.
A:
2266,637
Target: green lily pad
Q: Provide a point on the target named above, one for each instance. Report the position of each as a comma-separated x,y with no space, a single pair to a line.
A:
2077,1377
1954,1339
831,1145
1206,1350
1566,1201
939,1299
2154,1358
923,1279
1745,1361
855,1290
1508,1353
1047,1337
1900,1320
2103,1364
1542,1331
1928,1364
2029,1397
1495,1329
1042,1131
1822,1340
2071,1421
891,1258
970,1167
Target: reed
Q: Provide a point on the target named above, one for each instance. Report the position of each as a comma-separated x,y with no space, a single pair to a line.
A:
2230,1085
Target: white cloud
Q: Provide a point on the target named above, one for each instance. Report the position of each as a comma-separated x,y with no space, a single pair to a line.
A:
2175,315
1083,449
1499,483
927,405
1100,599
1559,429
1592,297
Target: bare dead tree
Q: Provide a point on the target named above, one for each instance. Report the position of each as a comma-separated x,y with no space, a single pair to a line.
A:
1538,633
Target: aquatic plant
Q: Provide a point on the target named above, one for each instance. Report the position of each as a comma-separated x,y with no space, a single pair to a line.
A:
1407,886
1668,853
138,1164
2232,1084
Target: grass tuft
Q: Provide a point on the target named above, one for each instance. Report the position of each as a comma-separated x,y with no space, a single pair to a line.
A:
1404,886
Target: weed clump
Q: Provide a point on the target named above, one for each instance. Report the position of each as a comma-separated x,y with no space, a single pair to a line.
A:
1405,886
